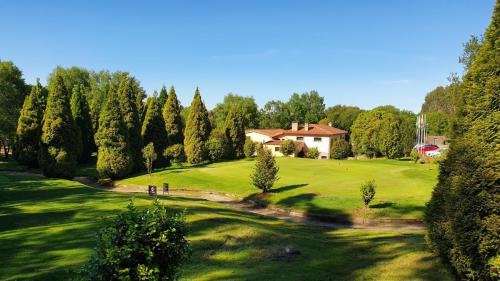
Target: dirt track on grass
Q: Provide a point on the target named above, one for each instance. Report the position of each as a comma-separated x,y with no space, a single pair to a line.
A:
249,206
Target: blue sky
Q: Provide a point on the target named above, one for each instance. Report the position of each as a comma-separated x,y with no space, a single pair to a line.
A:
364,53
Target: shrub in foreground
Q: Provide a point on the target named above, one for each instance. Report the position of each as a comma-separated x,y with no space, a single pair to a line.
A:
138,244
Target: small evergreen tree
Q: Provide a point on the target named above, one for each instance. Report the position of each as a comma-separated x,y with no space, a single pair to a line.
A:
172,118
153,130
113,155
29,127
249,147
81,114
128,105
340,149
149,155
235,132
368,192
287,147
266,170
60,142
197,130
175,153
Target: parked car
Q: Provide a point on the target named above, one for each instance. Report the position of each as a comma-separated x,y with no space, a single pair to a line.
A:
426,147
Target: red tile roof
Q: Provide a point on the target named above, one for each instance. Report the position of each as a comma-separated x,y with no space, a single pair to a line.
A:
267,132
314,130
273,142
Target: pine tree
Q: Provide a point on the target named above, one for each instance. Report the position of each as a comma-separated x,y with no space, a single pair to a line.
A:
153,130
235,132
172,118
463,217
197,130
29,127
114,159
162,98
266,170
127,98
60,142
81,114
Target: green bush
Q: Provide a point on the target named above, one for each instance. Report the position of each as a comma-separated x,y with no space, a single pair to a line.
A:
266,170
368,192
217,146
287,147
340,149
175,153
138,244
312,153
249,147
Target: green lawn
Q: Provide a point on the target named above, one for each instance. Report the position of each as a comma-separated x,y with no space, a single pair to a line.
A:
47,229
10,165
319,186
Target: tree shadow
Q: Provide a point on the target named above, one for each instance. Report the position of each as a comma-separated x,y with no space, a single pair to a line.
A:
288,188
383,205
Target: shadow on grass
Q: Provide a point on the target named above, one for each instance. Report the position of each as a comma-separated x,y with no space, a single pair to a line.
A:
288,188
57,222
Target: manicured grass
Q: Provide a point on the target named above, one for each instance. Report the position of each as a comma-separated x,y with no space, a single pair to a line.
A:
319,186
47,229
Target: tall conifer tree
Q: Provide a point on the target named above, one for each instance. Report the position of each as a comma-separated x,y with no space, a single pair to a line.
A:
235,132
60,142
153,130
172,118
81,114
114,159
29,127
127,98
463,215
197,130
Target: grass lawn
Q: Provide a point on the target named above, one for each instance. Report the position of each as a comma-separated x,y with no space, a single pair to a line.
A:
319,186
47,228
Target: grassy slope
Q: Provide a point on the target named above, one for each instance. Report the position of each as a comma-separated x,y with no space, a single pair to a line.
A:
47,228
403,188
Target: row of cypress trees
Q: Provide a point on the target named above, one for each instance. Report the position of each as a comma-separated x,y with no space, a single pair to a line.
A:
55,130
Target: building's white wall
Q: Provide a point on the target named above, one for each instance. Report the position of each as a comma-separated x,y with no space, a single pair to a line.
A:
273,150
323,146
256,137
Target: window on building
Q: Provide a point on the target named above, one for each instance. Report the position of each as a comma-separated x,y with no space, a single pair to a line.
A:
317,139
276,148
323,157
300,138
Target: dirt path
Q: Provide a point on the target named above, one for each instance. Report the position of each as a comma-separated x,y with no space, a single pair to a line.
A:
239,203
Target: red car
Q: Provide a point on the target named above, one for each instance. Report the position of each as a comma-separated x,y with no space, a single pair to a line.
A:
426,147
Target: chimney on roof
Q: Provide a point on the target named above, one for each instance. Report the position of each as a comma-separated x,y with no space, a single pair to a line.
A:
306,126
295,126
330,124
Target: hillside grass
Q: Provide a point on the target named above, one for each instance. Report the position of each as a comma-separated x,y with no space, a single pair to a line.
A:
317,186
48,226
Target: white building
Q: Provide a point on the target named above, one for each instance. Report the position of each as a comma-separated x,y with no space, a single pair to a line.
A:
306,137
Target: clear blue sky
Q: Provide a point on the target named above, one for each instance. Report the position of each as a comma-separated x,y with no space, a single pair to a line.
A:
363,53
